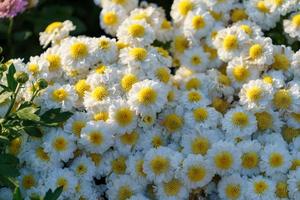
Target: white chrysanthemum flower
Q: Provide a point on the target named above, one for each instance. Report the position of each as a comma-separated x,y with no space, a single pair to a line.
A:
60,96
147,96
180,9
292,25
111,18
62,177
28,180
85,190
147,120
179,43
199,141
259,51
189,81
232,187
76,123
196,171
275,159
126,142
239,122
135,32
83,167
122,118
115,163
224,157
152,138
293,119
283,7
250,28
122,187
35,66
193,99
55,32
136,56
293,184
256,95
135,168
240,72
105,50
259,12
164,32
96,137
195,59
172,120
160,164
283,58
261,188
97,97
128,5
98,160
197,25
287,99
202,117
274,78
218,6
172,189
250,157
230,42
59,144
138,197
268,120
296,64
6,193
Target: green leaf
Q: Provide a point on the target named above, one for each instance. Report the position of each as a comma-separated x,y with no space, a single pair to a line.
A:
11,82
33,131
8,165
17,194
4,140
5,96
54,116
8,182
28,113
53,195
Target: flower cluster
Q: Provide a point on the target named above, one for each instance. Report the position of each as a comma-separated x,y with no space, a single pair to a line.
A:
216,115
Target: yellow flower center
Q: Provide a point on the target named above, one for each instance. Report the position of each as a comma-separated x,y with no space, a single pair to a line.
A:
162,74
119,165
296,117
60,95
77,127
184,6
216,15
282,190
268,79
96,138
198,22
81,169
148,119
200,145
28,182
173,122
120,2
33,68
282,99
60,144
196,173
129,138
100,69
99,93
230,42
166,24
96,158
277,2
125,192
104,43
260,187
147,96
247,29
181,43
15,146
241,73
220,105
238,14
240,119
54,62
255,51
139,168
264,120
254,94
194,96
159,164
172,187
81,86
212,52
223,160
233,191
295,164
196,60
127,81
193,83
296,20
136,30
224,80
110,18
276,160
139,54
41,154
78,50
156,141
281,62
62,182
200,114
101,116
250,160
53,26
290,133
261,6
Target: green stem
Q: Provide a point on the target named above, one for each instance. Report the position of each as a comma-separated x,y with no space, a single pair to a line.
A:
34,95
12,103
9,36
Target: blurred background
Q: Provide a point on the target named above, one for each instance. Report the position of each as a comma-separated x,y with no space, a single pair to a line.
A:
24,37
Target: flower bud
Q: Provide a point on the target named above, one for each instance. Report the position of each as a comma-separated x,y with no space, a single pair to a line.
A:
21,77
42,83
